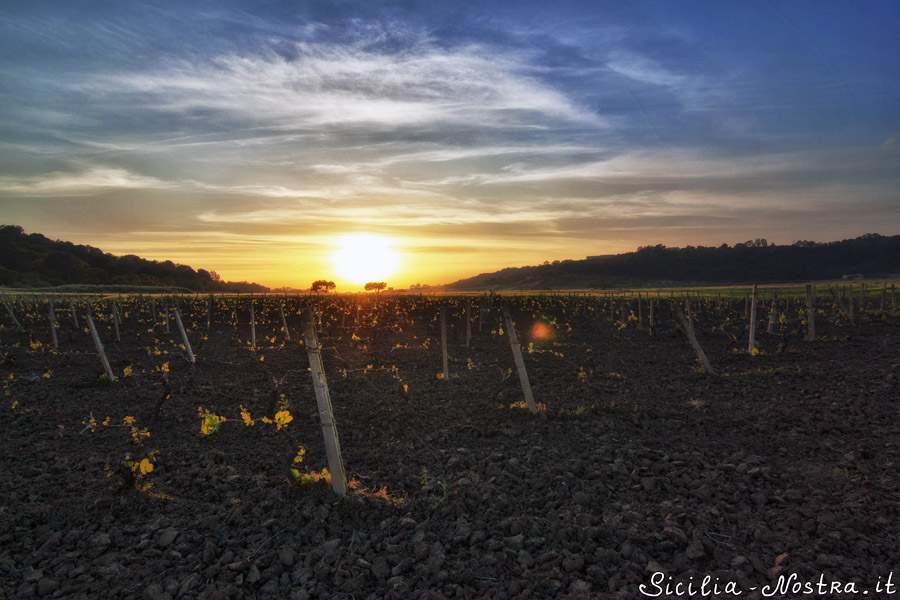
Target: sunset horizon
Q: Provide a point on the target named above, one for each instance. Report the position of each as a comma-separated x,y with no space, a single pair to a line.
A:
287,142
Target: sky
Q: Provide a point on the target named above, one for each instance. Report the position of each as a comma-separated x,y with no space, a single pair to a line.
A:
255,138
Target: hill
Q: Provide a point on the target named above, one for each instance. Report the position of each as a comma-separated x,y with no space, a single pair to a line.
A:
32,260
749,262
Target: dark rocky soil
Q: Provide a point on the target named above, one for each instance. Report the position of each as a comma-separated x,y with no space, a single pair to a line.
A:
787,462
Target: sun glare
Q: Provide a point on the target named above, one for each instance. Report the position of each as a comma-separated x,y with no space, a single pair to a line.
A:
363,258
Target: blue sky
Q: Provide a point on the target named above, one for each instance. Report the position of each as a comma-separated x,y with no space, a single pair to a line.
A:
245,137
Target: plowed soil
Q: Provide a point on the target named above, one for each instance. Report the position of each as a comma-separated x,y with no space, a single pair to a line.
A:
783,463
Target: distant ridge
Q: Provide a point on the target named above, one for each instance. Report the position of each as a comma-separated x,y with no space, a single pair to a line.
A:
34,261
757,261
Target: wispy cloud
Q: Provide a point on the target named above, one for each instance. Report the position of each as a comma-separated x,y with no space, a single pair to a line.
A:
327,84
86,182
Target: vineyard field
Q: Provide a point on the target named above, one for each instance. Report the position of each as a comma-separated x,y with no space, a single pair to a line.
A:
205,479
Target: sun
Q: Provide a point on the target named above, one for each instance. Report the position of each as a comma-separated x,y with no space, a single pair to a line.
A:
363,258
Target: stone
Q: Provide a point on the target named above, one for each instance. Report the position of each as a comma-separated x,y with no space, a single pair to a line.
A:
525,559
253,574
695,550
514,542
573,564
579,586
46,586
166,537
287,556
380,568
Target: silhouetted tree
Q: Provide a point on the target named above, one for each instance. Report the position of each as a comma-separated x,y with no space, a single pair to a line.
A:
322,284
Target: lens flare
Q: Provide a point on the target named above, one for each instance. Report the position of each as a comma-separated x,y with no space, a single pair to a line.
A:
541,331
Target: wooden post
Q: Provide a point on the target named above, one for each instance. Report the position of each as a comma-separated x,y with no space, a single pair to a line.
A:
850,311
74,314
652,324
689,332
12,315
287,334
640,314
99,346
209,304
166,317
53,339
751,347
468,323
481,310
323,400
771,326
520,362
811,314
690,313
444,358
153,310
184,337
252,326
115,316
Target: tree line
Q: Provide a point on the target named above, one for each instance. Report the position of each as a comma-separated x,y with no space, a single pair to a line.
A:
32,260
755,261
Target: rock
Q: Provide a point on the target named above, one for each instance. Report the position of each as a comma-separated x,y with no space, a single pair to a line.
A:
166,537
253,574
434,563
573,564
380,568
330,546
287,556
154,591
189,583
579,586
653,567
47,586
209,552
648,483
581,498
695,550
525,559
30,574
514,542
676,534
